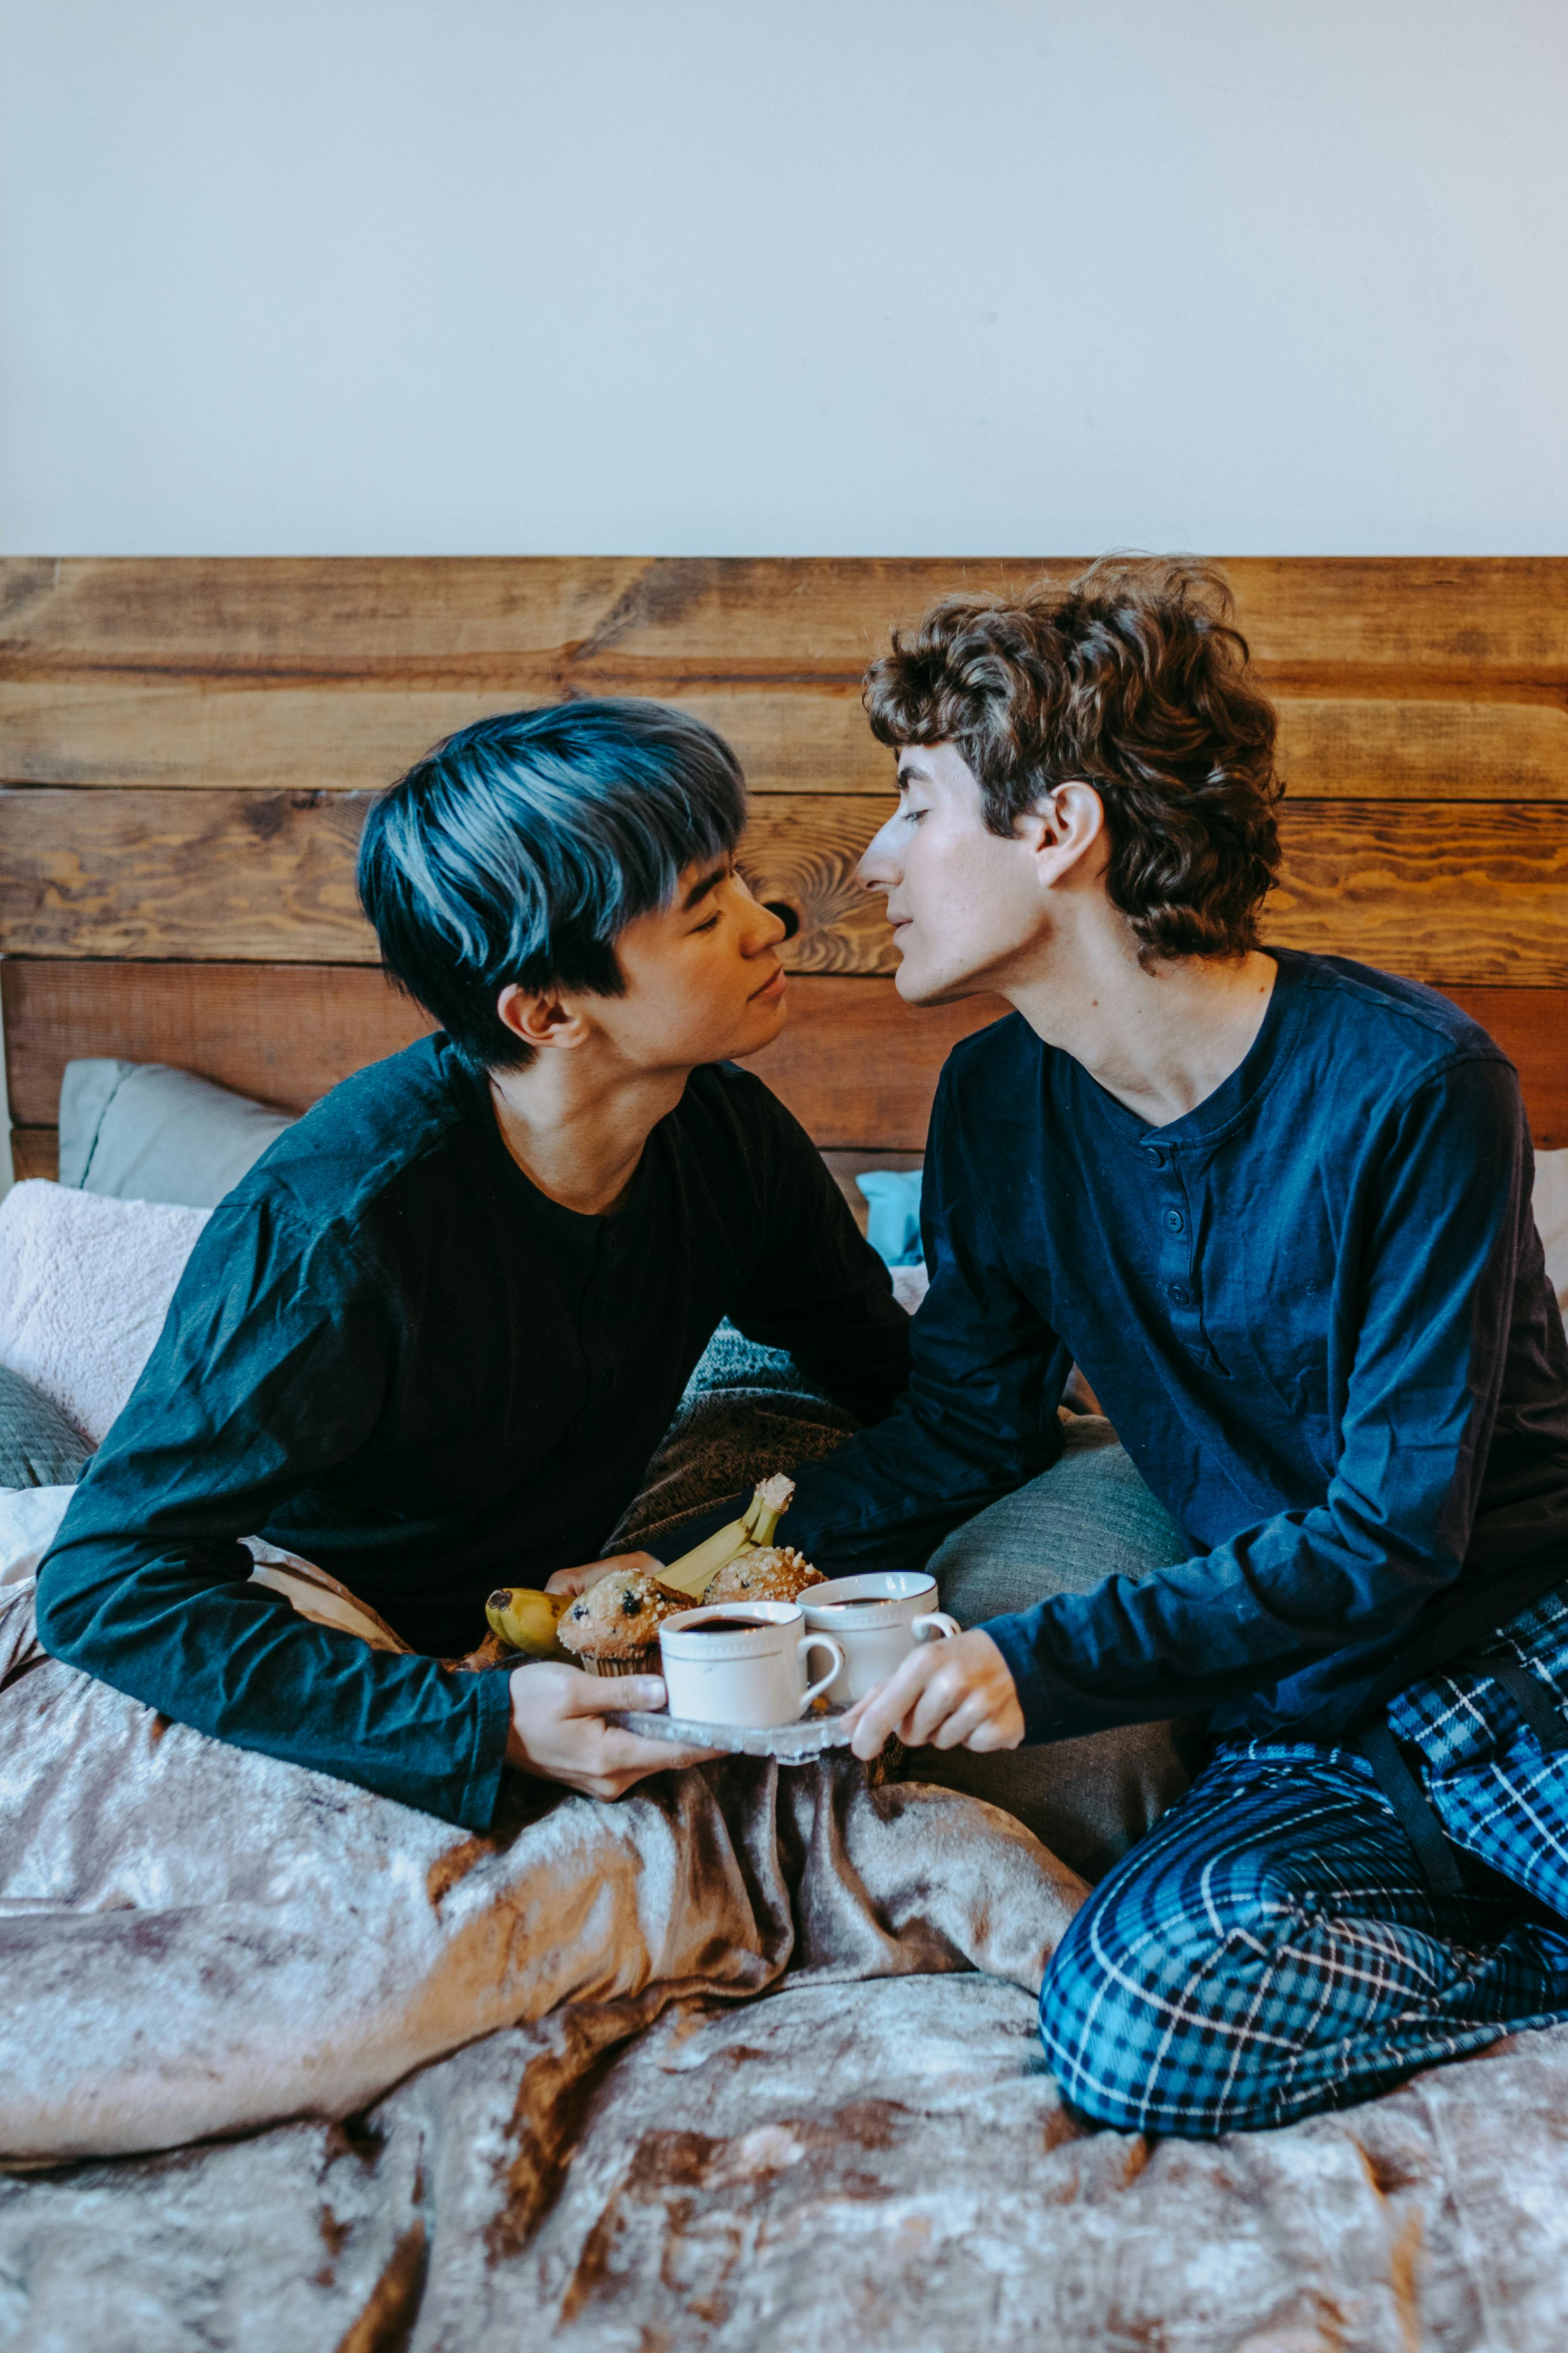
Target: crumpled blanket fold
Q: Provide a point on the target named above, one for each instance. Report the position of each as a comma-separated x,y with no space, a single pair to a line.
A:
199,1940
883,2165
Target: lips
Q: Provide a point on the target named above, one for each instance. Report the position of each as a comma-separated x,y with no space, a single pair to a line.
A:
771,989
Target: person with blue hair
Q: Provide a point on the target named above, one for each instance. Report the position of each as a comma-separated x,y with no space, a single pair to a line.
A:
433,1339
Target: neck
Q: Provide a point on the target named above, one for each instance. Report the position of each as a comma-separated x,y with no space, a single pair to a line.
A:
576,1128
1161,1040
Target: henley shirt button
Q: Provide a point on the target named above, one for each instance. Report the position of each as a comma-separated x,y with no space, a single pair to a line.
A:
1179,1293
1176,1221
1157,1157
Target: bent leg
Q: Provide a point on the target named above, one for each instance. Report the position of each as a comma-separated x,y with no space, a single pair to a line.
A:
1272,1949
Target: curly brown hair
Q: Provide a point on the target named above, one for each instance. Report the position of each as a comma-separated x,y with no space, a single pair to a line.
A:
1132,679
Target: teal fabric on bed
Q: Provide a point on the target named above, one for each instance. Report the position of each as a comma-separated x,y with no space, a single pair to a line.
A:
893,1213
38,1447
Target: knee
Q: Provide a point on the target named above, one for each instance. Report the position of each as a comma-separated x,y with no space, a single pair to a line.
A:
1154,2024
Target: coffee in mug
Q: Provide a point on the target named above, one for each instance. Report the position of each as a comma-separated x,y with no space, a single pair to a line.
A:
744,1663
876,1619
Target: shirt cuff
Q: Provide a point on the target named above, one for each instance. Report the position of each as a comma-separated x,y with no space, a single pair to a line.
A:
492,1729
1039,1695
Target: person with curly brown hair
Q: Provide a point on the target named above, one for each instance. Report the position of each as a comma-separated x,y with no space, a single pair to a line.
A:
1277,1207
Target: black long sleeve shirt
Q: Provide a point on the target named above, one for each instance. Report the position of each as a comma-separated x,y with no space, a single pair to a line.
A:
391,1354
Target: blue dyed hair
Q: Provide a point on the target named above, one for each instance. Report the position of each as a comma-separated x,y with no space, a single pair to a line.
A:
521,847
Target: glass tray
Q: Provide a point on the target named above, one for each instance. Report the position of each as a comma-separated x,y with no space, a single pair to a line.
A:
791,1743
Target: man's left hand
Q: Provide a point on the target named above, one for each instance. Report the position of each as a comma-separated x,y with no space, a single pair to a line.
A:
589,1572
956,1693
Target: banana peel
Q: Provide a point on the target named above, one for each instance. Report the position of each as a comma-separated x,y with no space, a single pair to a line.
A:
694,1572
527,1620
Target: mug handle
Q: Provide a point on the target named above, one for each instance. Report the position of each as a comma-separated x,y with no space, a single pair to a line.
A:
932,1628
820,1642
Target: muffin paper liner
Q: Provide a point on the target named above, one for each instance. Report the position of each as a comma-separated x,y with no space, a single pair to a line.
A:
645,1662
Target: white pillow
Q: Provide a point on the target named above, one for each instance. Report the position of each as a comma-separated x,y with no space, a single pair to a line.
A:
85,1284
29,1522
1550,1201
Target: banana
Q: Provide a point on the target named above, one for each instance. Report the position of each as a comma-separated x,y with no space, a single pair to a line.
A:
527,1620
695,1570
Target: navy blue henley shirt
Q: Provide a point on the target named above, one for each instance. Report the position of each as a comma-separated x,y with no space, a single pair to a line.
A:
1316,1311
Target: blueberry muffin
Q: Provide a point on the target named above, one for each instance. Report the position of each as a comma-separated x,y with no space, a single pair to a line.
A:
613,1628
770,1573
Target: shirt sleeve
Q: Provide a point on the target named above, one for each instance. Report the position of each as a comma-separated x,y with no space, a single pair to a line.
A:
1439,1225
820,1290
275,1363
979,1416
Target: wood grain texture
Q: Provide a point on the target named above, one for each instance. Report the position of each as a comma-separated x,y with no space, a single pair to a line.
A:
1365,749
859,1067
284,1033
201,735
127,872
1476,625
856,1064
1466,893
198,735
131,873
1459,894
35,1152
1531,1025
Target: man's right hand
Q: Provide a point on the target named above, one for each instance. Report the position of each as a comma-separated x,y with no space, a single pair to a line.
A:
558,1730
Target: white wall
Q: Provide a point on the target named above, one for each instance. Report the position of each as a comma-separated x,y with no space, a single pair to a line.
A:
1000,276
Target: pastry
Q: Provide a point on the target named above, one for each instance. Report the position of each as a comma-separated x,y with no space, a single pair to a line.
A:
767,1573
613,1628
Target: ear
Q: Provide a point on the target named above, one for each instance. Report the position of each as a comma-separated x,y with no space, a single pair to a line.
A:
1067,836
542,1019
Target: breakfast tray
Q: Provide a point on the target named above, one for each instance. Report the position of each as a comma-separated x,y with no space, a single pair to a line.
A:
791,1743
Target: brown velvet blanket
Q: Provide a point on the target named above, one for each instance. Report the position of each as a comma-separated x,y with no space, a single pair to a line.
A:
199,1940
744,2064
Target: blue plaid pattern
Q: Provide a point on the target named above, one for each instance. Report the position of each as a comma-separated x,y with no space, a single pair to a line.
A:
1272,1947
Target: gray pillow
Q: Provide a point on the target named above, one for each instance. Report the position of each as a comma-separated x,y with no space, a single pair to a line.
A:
38,1447
1089,1517
143,1132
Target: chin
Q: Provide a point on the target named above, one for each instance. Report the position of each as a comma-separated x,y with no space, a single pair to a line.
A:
917,985
757,1027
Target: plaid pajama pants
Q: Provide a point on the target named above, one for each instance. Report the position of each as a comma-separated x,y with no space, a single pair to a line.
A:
1272,1947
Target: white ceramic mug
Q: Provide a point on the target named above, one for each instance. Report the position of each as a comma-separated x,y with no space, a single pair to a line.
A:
878,1618
744,1663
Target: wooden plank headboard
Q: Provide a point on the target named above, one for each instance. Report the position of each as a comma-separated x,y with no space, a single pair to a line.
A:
185,746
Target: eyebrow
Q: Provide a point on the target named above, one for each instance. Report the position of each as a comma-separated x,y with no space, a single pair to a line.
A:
911,771
700,888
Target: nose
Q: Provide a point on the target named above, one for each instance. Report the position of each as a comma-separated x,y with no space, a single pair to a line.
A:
881,868
777,930
767,928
